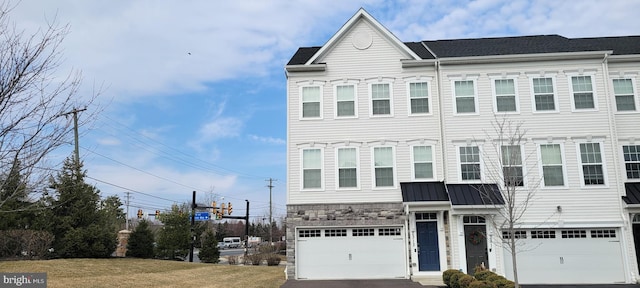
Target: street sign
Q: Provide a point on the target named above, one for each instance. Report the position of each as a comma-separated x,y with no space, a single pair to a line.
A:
202,216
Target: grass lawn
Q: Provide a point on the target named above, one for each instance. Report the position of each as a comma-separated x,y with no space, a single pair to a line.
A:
128,272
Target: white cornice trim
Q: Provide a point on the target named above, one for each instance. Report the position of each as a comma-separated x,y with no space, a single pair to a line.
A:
524,57
306,68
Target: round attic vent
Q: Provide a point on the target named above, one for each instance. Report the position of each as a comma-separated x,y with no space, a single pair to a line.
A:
362,40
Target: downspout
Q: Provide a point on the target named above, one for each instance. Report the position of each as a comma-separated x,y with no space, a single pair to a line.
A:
613,134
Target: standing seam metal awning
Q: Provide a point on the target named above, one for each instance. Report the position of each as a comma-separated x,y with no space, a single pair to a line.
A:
457,194
633,193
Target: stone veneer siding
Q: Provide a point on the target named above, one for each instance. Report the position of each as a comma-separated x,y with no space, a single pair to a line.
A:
337,215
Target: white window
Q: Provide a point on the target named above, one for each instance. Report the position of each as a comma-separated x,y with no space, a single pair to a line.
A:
592,165
419,97
422,162
552,164
582,89
512,165
543,94
632,160
381,99
345,100
625,97
312,169
505,95
470,163
347,167
383,167
311,102
465,96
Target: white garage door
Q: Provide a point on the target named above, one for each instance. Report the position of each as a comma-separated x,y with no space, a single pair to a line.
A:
568,256
351,253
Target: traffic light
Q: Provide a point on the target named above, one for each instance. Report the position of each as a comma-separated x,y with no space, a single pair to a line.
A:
157,213
140,213
219,216
229,209
215,207
222,208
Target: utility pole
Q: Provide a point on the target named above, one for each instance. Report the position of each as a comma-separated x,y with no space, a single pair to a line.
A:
270,210
127,218
75,134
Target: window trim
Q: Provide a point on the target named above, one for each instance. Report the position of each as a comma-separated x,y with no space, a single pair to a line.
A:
573,96
459,163
475,96
564,185
636,96
555,93
624,163
337,170
373,168
522,165
602,163
370,92
322,170
413,163
495,95
353,83
319,84
429,97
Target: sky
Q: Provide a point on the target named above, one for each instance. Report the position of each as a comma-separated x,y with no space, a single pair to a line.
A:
193,93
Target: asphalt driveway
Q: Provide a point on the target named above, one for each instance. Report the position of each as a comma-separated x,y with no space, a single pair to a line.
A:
391,283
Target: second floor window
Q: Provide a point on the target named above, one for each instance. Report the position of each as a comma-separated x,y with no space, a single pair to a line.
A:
591,160
422,162
505,95
311,169
552,166
347,168
380,99
625,98
543,94
311,102
470,163
419,97
383,166
512,169
582,92
631,155
345,101
465,94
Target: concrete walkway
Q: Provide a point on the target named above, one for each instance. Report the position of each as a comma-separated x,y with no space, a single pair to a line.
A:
400,283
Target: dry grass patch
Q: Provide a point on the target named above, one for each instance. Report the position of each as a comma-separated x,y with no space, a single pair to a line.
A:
137,273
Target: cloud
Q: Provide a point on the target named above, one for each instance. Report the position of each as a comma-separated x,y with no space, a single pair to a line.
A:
222,127
268,140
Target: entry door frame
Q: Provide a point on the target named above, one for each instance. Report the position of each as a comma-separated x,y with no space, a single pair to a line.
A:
427,224
415,269
491,253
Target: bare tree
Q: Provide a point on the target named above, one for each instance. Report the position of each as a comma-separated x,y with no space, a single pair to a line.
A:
506,166
33,99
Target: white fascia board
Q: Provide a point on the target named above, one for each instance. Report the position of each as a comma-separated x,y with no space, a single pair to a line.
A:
525,57
306,68
347,26
432,205
408,63
624,58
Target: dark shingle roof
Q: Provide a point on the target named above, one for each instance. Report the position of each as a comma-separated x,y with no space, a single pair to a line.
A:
303,55
475,194
624,45
423,191
420,50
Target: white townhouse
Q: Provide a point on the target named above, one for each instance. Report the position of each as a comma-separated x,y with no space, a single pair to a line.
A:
392,156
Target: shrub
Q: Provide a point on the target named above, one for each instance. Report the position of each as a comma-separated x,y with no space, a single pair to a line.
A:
504,283
483,274
446,276
255,258
454,280
494,278
464,280
233,260
479,268
482,284
273,260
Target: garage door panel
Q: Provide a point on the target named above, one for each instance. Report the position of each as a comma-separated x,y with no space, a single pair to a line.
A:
579,260
351,257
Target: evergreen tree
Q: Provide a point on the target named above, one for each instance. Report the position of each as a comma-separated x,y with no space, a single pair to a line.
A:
111,208
174,239
140,242
14,212
79,227
209,252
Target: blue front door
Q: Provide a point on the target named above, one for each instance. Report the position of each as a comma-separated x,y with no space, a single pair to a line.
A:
428,252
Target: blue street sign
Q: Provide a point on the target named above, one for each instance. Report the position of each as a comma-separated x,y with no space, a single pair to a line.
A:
202,216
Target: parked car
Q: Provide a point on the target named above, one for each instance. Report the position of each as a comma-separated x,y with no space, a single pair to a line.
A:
222,245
